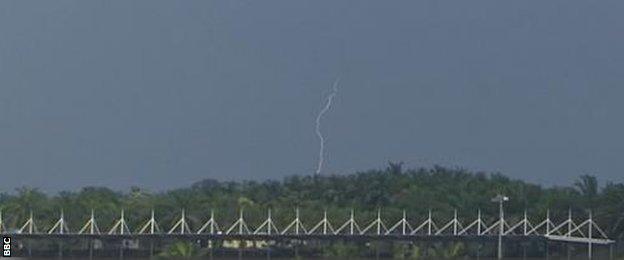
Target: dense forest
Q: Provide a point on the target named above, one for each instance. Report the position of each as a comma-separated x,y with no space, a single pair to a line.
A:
392,189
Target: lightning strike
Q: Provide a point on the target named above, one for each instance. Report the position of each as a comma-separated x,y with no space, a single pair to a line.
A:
319,134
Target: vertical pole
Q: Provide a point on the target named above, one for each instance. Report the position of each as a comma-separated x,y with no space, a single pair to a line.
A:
297,249
62,224
297,222
121,226
121,249
569,233
152,223
240,224
92,227
269,223
212,224
547,249
500,230
589,243
429,224
378,221
404,224
32,221
548,222
455,223
526,220
90,248
325,222
60,248
351,222
479,225
151,248
183,222
524,254
30,229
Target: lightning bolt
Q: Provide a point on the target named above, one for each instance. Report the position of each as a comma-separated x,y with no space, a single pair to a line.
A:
319,134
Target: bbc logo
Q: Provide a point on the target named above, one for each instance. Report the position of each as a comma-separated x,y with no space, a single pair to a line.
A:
6,246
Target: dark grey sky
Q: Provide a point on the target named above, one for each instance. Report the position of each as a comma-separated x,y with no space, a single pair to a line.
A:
164,93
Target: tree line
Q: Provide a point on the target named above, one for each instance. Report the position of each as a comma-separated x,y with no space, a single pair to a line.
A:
393,190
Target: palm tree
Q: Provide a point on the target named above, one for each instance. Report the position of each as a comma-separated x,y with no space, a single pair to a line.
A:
588,187
27,200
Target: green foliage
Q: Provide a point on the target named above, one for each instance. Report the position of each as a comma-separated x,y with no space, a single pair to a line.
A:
394,189
341,249
403,250
181,250
447,250
415,253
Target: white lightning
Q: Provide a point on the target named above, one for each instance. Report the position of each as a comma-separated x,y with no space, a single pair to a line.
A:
330,99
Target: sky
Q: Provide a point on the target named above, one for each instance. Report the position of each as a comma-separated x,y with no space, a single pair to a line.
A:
161,94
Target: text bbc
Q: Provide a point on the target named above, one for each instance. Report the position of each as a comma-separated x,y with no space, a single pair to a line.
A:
6,246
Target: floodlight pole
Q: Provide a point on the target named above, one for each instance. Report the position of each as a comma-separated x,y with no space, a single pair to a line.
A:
500,199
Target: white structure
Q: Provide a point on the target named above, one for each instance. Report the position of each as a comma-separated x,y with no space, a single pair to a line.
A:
569,230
